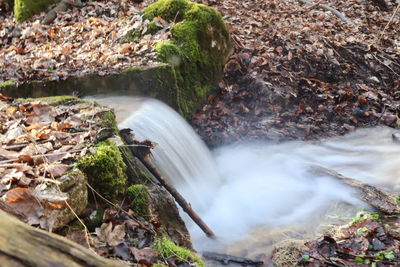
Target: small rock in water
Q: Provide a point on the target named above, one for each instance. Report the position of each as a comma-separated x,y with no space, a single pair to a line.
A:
396,137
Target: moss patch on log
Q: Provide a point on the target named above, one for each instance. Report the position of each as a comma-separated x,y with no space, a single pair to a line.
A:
140,199
55,100
25,9
105,170
168,249
198,50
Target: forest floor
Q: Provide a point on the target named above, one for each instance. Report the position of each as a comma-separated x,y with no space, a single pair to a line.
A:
297,72
300,72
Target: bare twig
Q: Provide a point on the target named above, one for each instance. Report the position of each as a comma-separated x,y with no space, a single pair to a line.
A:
387,24
335,12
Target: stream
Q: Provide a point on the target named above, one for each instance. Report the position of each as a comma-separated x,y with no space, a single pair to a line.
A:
252,195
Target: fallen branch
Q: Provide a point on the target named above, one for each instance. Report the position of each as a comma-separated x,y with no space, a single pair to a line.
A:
368,193
226,259
144,155
387,24
335,12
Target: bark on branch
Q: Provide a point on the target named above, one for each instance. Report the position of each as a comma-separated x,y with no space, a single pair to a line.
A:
23,245
144,155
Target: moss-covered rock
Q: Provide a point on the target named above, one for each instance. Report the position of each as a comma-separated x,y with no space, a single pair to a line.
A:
157,81
140,199
25,9
105,170
198,50
169,249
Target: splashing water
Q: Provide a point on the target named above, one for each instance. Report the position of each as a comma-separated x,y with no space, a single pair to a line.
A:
265,186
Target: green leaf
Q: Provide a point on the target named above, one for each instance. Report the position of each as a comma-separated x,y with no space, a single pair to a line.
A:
389,255
359,260
305,257
362,230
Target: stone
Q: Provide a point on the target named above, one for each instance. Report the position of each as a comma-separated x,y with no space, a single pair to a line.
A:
74,185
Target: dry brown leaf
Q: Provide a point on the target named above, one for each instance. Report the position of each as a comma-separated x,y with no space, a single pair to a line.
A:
57,169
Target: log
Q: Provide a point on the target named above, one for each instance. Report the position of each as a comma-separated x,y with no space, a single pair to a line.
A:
23,245
372,195
142,152
227,259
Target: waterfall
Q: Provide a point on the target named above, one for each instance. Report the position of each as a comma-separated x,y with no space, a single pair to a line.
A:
243,191
180,154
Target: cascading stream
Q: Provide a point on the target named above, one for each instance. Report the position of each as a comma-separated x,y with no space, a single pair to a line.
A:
243,189
180,154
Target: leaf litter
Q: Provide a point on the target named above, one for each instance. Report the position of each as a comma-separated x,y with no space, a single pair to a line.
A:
39,143
300,72
82,40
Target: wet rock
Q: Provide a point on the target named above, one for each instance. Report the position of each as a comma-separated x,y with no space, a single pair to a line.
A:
391,120
396,137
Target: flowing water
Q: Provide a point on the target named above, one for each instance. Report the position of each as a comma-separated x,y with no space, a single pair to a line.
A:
253,194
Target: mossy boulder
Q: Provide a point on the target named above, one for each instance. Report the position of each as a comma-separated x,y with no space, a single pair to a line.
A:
198,50
25,9
105,170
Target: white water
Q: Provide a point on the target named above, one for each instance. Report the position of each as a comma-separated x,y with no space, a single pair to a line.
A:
180,154
243,187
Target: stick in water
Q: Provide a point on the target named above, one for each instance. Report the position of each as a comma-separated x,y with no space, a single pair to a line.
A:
144,155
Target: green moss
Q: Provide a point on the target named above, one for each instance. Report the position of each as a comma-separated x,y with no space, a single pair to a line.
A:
172,10
159,265
7,83
105,170
140,199
25,9
168,249
198,49
55,100
362,215
108,121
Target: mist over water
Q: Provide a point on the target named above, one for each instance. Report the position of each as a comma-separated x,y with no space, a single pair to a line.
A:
244,188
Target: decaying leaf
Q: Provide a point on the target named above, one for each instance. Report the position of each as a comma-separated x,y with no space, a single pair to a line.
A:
107,235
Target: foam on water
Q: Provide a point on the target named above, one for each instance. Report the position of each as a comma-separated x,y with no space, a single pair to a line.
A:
243,187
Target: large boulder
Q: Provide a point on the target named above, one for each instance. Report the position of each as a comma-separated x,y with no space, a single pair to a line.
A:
198,50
